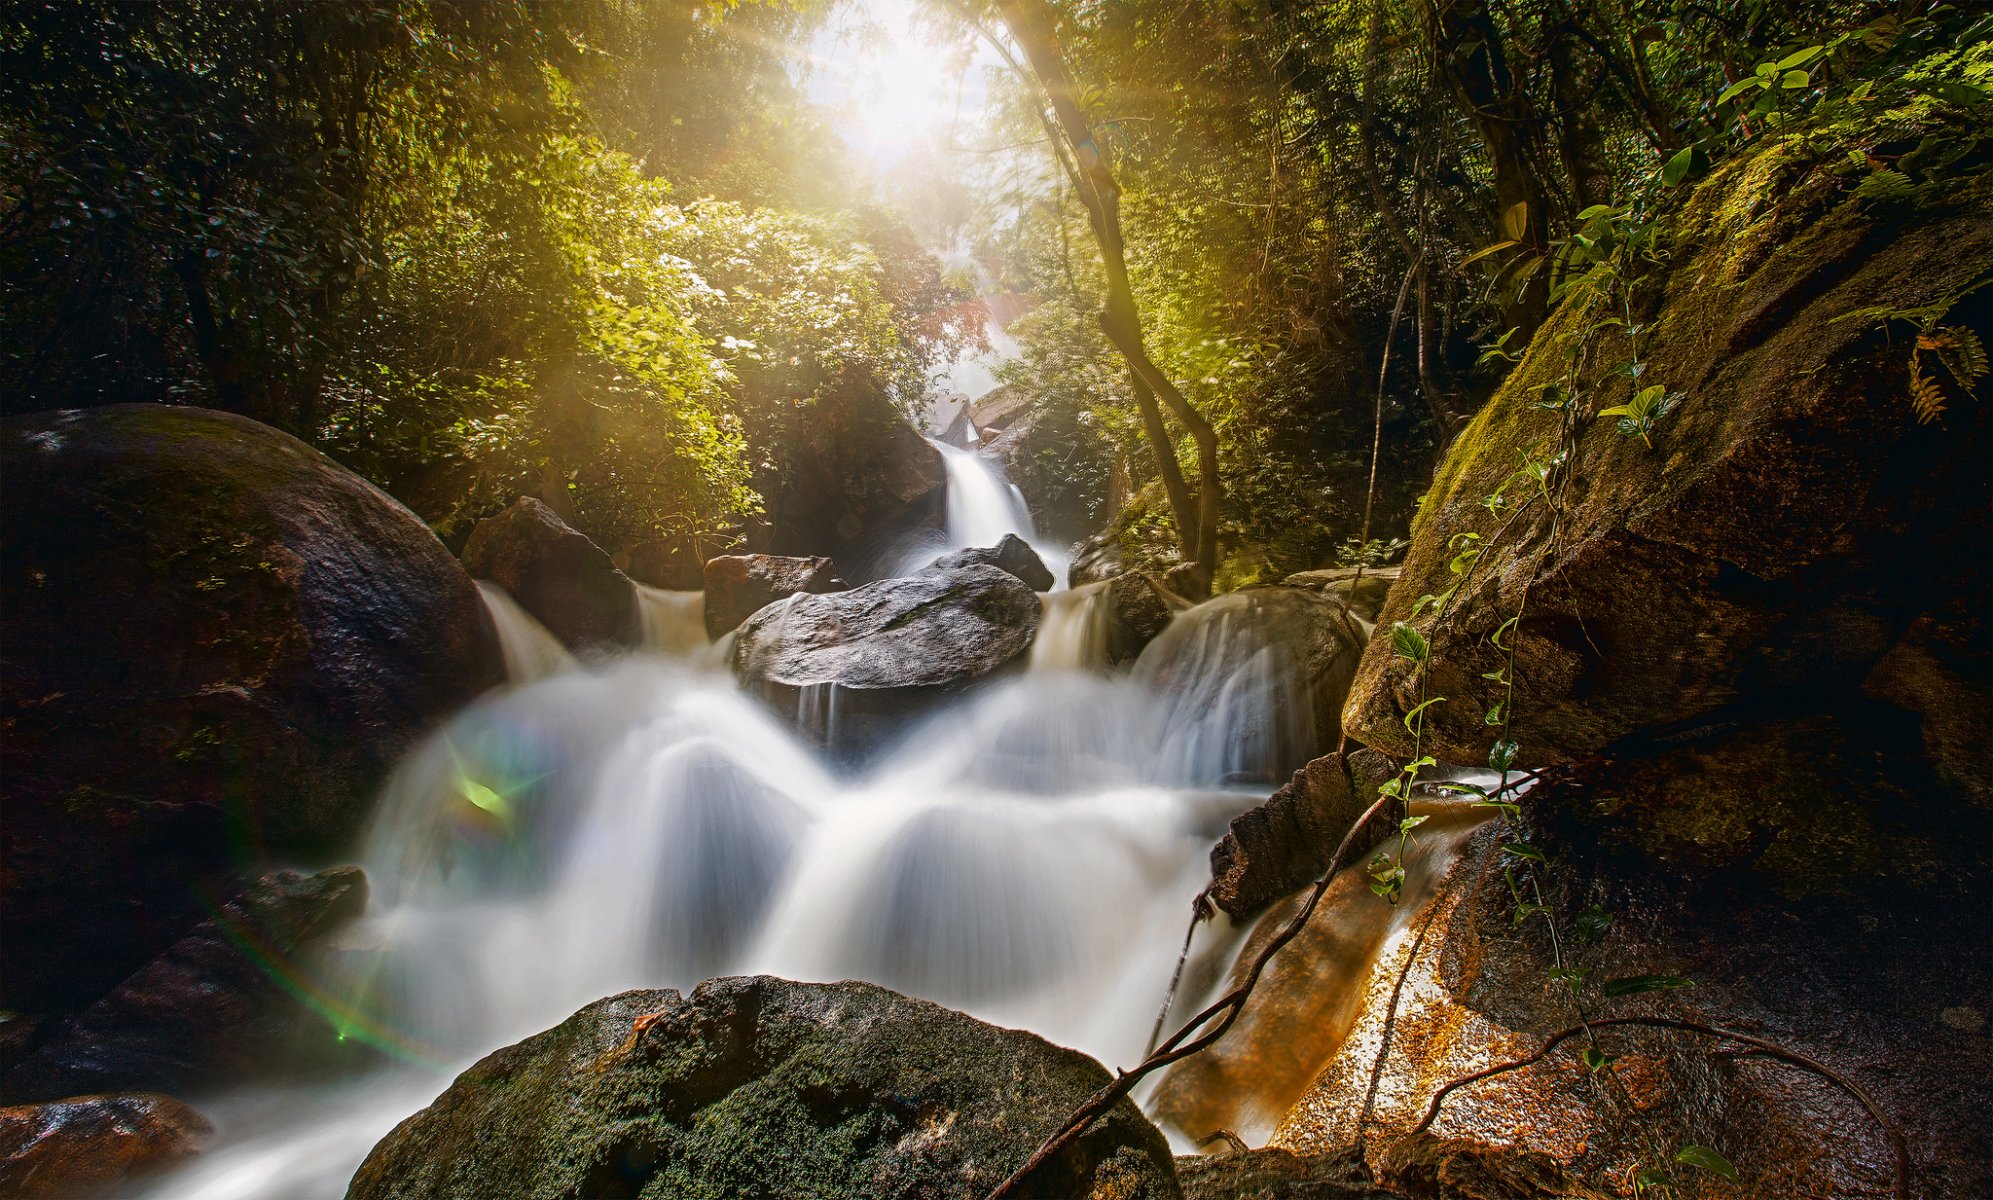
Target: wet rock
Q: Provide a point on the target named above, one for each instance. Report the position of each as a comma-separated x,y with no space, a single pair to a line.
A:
217,642
1425,1167
1365,596
211,1010
568,583
88,1145
1098,557
1285,843
1273,1174
1138,610
739,585
1013,554
1274,661
1790,523
759,1086
889,649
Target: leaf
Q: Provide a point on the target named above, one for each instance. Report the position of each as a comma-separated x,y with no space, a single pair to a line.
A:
1493,716
1459,788
1707,1159
1634,985
1502,754
1799,58
1794,80
1515,220
1408,642
1739,88
1525,851
1485,251
1597,1060
1677,168
1413,716
1411,823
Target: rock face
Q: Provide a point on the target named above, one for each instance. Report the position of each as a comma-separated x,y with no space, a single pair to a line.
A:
762,1087
217,642
1138,610
88,1145
890,648
1013,555
740,585
1098,557
567,582
1792,521
205,1012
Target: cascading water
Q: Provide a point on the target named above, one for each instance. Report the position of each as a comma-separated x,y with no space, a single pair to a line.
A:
1029,857
529,651
1072,633
982,507
673,622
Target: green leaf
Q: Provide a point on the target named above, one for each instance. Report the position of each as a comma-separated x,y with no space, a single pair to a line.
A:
1591,924
1458,788
1739,88
1634,985
1502,754
1707,1159
1794,80
1598,1060
1413,716
1523,851
1411,823
1408,642
1677,168
1493,716
1799,58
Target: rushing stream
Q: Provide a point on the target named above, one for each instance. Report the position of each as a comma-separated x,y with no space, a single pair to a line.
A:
1028,856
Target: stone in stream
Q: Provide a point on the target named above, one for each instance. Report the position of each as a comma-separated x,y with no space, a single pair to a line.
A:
217,642
858,478
89,1145
1138,609
1284,843
1013,554
567,582
740,585
1338,584
208,1011
890,649
763,1087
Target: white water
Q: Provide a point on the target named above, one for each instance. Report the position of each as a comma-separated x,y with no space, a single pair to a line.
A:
1029,857
1073,629
982,507
673,622
530,652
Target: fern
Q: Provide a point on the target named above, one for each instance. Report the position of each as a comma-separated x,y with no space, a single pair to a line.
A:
1959,349
1925,394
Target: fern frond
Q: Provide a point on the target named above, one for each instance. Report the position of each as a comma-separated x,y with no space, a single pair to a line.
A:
1961,351
1926,397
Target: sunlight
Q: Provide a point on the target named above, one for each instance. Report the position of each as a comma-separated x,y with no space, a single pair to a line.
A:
893,83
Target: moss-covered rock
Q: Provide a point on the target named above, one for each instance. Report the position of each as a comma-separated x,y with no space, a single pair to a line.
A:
759,1087
90,1145
217,641
568,583
1791,520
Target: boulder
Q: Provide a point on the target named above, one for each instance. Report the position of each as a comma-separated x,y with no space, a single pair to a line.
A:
763,1087
88,1145
1285,842
210,1010
568,583
858,477
217,642
1270,1174
1365,595
1097,558
1013,554
853,665
1791,521
1138,609
740,585
1252,682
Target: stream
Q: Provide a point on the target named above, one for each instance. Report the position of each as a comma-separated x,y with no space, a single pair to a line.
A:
1028,855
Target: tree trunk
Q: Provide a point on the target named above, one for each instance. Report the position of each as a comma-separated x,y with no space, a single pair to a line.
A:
1030,24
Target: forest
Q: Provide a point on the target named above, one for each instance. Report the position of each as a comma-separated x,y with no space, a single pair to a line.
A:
1206,599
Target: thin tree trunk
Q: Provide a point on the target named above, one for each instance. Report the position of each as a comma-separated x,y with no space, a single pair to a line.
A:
1030,24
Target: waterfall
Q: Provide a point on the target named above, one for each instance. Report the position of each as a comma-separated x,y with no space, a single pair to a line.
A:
674,623
982,507
1072,633
1028,856
529,651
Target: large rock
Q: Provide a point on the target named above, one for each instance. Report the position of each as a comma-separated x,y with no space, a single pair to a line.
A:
1253,682
1363,593
858,477
210,1010
217,641
1791,521
762,1087
89,1145
1097,558
1012,554
1286,842
854,664
740,585
1139,609
568,583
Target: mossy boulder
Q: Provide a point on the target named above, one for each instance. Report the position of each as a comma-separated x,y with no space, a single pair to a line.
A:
858,478
216,643
739,585
90,1145
1791,521
758,1087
